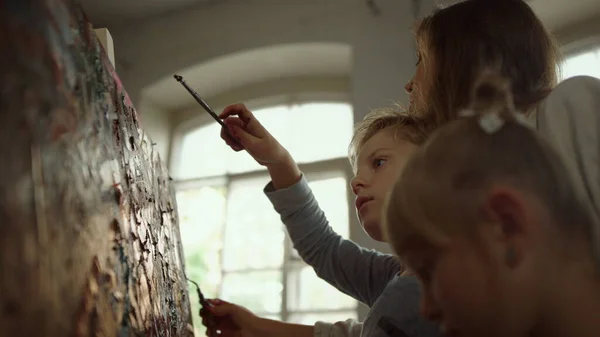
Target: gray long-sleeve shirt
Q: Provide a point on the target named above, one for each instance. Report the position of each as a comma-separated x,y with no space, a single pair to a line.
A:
367,275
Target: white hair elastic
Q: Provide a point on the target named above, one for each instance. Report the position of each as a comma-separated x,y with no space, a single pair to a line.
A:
491,122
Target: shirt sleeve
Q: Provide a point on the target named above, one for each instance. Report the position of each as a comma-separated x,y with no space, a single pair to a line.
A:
354,270
347,328
570,119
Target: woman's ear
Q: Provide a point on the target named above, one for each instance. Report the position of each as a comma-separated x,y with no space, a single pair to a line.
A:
507,210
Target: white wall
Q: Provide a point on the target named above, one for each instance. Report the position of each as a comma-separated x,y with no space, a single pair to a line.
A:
155,122
382,46
580,36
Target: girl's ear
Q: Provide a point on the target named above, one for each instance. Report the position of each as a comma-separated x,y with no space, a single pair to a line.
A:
507,211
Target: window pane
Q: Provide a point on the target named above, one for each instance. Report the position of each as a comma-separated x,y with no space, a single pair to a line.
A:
329,317
583,64
333,199
320,131
306,291
276,120
254,235
331,194
201,217
203,153
258,291
311,132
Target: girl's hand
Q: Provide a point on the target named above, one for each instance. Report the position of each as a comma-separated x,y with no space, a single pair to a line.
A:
229,320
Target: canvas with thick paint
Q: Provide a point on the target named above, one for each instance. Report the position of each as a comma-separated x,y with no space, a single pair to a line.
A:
89,237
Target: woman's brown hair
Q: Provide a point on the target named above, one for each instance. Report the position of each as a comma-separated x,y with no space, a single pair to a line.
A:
489,146
473,35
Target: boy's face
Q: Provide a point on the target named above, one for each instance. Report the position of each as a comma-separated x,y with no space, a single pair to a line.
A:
378,164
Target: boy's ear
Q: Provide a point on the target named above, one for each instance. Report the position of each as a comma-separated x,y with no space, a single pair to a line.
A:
507,211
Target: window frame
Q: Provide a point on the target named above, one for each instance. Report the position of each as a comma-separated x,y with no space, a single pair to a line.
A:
314,171
203,119
578,48
331,168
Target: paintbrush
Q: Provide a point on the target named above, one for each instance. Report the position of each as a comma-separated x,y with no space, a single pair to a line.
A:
205,305
203,300
199,99
205,105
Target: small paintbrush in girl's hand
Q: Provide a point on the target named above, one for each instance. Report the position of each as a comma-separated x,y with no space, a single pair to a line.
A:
204,304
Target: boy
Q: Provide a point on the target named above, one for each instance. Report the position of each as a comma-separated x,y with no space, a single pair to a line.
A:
379,149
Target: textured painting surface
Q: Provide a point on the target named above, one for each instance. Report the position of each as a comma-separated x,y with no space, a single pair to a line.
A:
89,237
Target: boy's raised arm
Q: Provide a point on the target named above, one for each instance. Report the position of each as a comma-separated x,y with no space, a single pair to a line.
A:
356,271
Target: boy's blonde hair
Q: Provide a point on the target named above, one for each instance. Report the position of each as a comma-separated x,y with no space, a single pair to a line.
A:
405,126
442,189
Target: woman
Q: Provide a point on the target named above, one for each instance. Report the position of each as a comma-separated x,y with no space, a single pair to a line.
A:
457,43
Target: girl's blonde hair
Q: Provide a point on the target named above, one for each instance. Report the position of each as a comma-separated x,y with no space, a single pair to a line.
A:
405,126
442,188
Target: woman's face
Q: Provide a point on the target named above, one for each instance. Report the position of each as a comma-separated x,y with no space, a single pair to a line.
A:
418,88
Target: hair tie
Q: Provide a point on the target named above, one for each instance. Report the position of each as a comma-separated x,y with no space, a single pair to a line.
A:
490,122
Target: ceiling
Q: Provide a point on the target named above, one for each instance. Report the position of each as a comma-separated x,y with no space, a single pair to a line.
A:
282,61
107,13
558,14
555,13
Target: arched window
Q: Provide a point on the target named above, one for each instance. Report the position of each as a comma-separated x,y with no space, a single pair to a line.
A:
585,63
234,242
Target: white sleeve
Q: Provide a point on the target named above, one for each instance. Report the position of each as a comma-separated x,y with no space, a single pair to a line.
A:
570,119
347,328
